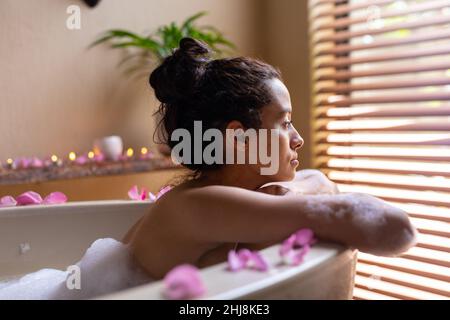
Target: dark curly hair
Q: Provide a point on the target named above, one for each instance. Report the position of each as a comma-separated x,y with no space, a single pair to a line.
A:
193,87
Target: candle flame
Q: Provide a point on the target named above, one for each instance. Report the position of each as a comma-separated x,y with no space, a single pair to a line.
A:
72,156
130,152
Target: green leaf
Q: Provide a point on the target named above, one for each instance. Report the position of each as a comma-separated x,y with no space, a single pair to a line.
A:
161,43
186,24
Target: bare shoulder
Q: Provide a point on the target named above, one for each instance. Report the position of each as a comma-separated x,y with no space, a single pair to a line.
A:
311,181
308,174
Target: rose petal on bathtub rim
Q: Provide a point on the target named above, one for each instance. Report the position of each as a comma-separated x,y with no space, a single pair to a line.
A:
300,255
246,258
287,244
29,198
245,255
163,191
143,195
152,197
235,262
183,282
304,236
258,262
55,198
8,201
133,193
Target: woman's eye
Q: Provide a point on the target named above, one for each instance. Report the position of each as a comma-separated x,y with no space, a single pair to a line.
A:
287,124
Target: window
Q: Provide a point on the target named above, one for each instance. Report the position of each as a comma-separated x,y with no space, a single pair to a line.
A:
381,108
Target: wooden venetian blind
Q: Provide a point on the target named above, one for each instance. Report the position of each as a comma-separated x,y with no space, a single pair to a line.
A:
381,108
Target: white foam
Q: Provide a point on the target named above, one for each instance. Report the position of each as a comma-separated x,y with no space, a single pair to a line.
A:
106,267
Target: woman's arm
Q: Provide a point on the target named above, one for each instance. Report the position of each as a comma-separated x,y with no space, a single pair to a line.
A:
217,214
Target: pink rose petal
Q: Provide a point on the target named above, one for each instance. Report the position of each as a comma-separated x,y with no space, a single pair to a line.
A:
99,157
287,245
294,249
245,258
143,194
7,201
81,160
183,282
152,197
29,198
304,236
55,198
163,191
235,262
37,163
245,255
300,255
133,193
257,262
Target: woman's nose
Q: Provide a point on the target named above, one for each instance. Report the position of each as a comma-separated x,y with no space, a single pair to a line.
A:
297,141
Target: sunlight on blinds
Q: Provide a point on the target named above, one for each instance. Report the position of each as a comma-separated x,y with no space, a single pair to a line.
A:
381,125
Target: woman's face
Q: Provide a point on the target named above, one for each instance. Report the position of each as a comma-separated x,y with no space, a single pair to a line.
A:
277,115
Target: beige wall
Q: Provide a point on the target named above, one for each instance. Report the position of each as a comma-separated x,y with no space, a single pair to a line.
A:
285,26
56,96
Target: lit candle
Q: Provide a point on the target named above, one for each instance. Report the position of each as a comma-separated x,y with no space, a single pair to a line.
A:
130,152
72,156
10,163
91,155
55,160
145,153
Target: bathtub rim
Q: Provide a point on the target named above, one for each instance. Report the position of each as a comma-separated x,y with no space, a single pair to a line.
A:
245,282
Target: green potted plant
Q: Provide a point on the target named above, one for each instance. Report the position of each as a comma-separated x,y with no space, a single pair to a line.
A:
141,53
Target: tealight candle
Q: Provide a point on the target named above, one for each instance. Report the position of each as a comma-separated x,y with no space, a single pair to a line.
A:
145,153
130,152
55,160
10,163
72,156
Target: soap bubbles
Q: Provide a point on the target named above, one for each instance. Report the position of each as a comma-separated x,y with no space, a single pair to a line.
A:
106,267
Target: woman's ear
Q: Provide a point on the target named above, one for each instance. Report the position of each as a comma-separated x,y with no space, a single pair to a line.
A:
235,125
235,131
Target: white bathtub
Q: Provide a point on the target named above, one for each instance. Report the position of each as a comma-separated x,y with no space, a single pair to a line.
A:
56,236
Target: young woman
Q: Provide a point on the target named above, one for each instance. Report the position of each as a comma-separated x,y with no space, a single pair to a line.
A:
231,205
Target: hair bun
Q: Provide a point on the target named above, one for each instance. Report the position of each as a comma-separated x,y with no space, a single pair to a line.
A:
174,80
193,48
